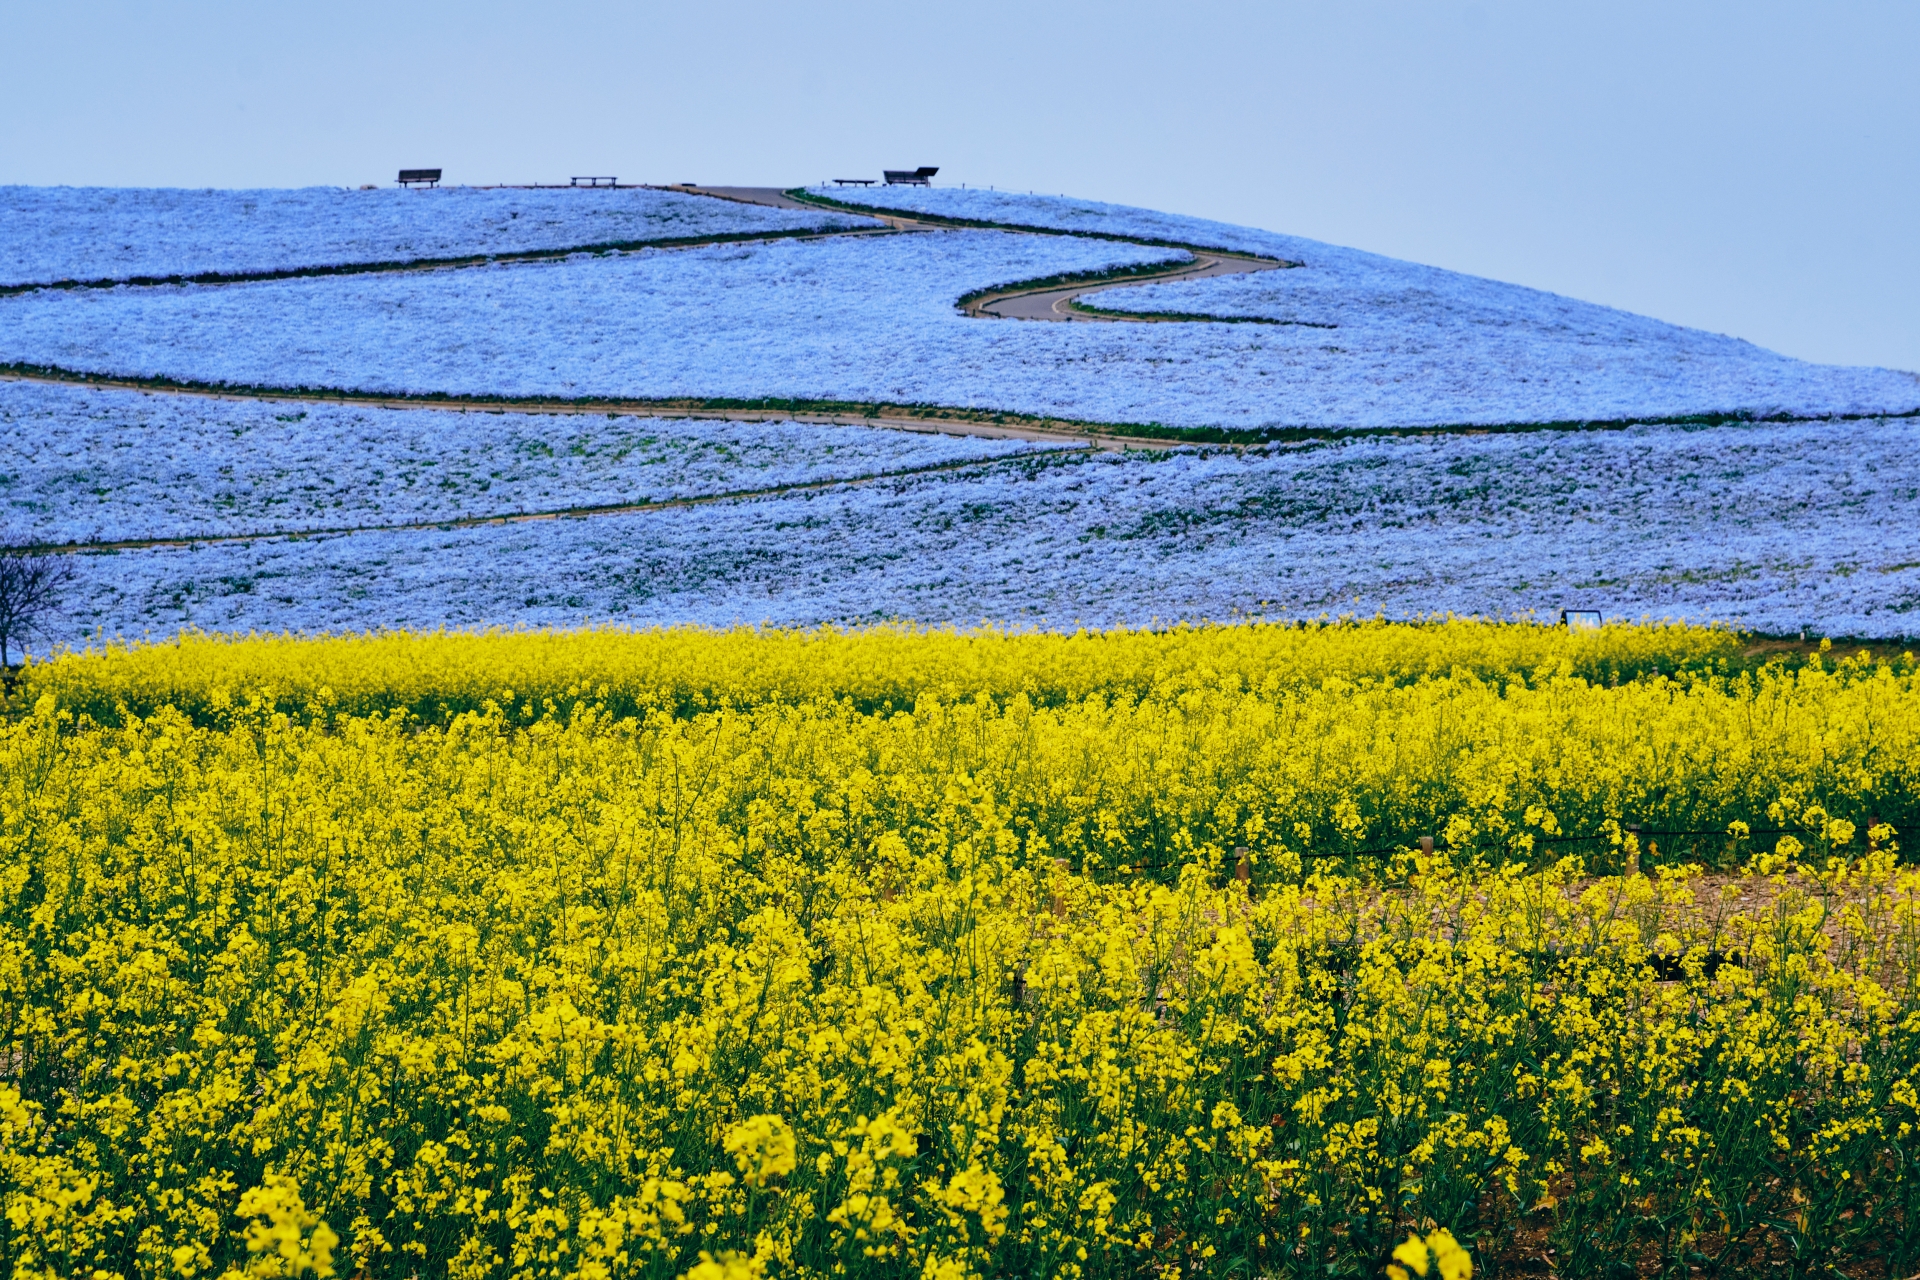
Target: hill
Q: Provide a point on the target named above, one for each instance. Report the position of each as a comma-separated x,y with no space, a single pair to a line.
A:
514,407
1346,340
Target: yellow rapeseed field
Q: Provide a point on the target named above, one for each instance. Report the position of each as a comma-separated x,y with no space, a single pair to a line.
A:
1458,948
687,670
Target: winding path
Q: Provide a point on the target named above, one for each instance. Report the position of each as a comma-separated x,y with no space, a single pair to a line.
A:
777,198
433,264
934,421
1040,301
1045,303
1033,302
578,512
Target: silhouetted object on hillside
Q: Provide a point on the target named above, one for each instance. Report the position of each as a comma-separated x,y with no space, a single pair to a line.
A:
419,177
910,177
30,586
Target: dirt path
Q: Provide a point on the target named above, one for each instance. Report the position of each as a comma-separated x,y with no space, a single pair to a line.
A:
952,422
526,517
437,264
1035,303
1041,302
776,198
1057,303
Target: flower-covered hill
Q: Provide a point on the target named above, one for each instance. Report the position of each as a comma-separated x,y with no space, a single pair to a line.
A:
1344,340
50,234
1375,340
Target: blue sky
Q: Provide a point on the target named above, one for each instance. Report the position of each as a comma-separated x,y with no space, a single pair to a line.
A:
1749,168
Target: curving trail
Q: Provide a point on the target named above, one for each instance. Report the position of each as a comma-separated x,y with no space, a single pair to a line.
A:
894,417
1056,303
431,264
527,517
777,198
1037,301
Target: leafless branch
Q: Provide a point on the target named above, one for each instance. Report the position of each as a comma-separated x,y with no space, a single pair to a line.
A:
30,586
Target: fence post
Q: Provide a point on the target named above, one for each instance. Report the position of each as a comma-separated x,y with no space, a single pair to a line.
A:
1242,868
1633,850
1426,844
1061,869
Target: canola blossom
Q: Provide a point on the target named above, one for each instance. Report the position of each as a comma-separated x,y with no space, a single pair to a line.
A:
899,954
1439,1250
690,669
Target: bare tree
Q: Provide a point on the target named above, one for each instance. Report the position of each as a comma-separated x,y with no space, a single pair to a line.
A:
30,585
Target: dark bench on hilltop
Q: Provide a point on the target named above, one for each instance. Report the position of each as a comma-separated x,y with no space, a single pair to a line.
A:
853,182
910,177
419,177
593,182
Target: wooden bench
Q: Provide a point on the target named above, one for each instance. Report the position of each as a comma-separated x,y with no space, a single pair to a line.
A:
910,177
853,182
592,182
419,178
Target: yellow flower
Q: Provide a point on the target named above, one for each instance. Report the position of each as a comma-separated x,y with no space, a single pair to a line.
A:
1439,1252
559,984
284,1238
727,1266
762,1147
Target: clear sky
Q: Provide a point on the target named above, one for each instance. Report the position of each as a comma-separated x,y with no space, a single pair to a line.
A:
1751,168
